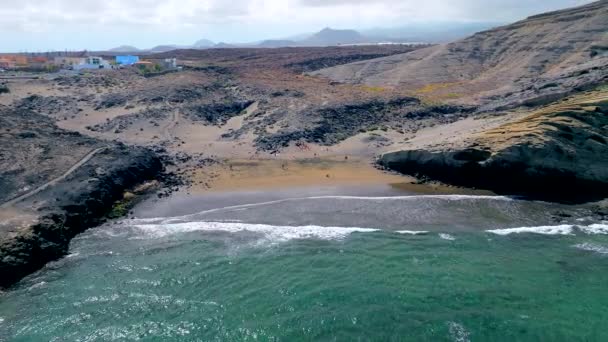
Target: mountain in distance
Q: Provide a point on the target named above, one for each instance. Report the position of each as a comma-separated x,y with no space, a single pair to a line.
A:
330,37
125,48
167,48
435,32
203,43
414,33
276,43
156,49
222,45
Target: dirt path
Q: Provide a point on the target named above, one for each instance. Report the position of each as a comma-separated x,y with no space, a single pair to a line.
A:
237,121
169,126
52,182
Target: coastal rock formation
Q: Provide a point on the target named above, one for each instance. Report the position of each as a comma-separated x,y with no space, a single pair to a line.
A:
60,183
559,152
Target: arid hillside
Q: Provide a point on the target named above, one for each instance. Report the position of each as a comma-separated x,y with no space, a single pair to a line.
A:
529,62
235,103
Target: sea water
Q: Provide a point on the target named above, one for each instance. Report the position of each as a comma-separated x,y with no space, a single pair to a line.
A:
337,268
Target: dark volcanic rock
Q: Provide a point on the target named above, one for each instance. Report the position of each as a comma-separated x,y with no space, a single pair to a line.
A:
112,100
533,171
327,62
215,113
332,125
335,124
35,154
50,105
121,123
81,202
559,153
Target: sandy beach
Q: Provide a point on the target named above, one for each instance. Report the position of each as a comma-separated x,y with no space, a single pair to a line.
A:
275,174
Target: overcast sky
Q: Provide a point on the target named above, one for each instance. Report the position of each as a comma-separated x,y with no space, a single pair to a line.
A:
39,25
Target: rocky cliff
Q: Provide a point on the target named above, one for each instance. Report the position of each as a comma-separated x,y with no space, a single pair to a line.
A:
55,185
559,152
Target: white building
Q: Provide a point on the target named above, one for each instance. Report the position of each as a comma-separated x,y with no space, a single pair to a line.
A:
93,62
170,63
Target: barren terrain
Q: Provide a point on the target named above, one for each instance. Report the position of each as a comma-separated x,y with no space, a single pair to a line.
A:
519,109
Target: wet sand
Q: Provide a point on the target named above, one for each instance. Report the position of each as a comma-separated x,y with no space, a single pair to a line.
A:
238,175
238,182
267,174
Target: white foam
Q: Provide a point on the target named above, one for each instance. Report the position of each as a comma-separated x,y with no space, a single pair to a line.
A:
458,332
564,229
595,229
272,233
412,232
545,230
447,236
37,285
592,247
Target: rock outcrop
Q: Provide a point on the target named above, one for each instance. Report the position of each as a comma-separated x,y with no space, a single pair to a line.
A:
65,183
556,153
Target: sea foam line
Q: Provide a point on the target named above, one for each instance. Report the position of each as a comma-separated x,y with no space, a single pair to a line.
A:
412,232
564,229
545,230
448,237
595,229
272,233
592,247
384,198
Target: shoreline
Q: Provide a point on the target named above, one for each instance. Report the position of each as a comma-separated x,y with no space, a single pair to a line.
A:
237,182
238,175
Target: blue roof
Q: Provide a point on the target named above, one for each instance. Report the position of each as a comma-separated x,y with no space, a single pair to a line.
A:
127,60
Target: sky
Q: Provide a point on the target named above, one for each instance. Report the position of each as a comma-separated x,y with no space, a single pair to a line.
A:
41,25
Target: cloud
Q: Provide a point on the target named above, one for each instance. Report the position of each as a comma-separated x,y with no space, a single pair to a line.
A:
235,20
40,15
471,10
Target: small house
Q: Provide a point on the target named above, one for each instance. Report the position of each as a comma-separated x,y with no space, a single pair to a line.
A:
169,63
13,61
68,62
38,62
127,60
93,62
5,63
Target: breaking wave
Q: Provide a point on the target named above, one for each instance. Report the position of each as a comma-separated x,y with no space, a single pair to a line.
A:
268,232
412,232
592,247
545,230
564,229
595,229
448,237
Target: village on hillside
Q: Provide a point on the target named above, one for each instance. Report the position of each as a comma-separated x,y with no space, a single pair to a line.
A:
79,61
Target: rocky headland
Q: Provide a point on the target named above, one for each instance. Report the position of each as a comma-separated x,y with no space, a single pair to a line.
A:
54,185
558,153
